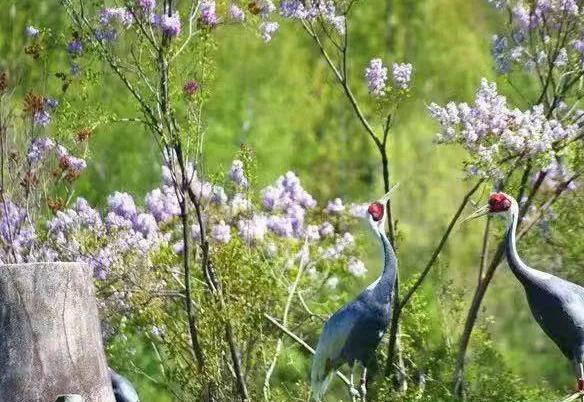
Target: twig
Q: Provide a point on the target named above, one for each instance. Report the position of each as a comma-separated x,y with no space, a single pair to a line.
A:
301,342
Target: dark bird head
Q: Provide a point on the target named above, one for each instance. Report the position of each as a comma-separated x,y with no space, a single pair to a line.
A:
499,204
376,212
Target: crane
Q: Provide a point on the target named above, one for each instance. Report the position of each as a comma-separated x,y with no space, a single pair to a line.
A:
556,304
353,333
123,389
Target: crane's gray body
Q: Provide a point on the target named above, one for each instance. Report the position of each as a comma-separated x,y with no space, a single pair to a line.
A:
556,304
123,389
354,332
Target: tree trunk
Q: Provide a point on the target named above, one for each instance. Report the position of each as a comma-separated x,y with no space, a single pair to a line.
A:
50,337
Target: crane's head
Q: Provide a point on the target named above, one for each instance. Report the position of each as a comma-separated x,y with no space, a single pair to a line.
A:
499,204
376,211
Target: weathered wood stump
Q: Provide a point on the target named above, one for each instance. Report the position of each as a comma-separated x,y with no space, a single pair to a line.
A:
50,338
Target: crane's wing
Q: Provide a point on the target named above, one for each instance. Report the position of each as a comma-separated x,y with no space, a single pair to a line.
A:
328,356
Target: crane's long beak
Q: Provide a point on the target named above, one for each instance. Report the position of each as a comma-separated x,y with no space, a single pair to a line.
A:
477,214
387,196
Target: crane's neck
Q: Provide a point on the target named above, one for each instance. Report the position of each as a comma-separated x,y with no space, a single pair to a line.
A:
383,286
524,273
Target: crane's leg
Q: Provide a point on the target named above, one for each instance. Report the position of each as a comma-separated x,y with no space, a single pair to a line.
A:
363,384
581,380
352,390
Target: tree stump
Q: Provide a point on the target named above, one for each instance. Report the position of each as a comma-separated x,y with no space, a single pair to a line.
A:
50,338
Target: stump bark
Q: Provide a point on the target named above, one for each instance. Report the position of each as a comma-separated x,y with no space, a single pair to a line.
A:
50,338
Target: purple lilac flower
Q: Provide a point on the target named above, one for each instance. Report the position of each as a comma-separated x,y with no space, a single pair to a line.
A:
41,118
38,149
119,14
203,190
239,204
75,47
146,224
237,174
208,13
326,229
236,14
87,215
191,87
376,76
50,103
106,34
562,58
221,232
162,204
219,196
356,267
252,230
268,29
72,163
31,31
170,26
147,6
281,225
312,233
293,9
122,204
335,207
489,126
15,234
402,74
358,210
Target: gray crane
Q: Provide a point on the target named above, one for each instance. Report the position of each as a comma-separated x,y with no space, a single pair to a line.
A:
556,304
353,333
123,389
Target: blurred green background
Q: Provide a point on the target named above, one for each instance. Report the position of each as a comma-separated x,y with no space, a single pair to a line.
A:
280,99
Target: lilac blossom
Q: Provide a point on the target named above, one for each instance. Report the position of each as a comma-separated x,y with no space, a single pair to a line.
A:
162,204
376,77
326,229
356,267
208,13
122,204
75,47
120,15
402,74
236,14
41,118
147,6
293,9
237,174
490,128
38,149
146,225
252,230
335,207
31,32
170,25
221,232
268,29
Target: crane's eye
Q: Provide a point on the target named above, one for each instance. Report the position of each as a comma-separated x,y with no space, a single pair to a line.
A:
376,211
499,202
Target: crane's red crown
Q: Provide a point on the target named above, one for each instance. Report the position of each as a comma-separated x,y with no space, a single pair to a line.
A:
499,202
376,211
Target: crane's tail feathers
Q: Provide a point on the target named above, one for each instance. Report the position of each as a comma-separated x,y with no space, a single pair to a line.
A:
319,387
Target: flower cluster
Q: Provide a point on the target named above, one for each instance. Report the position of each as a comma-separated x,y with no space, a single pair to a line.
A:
323,9
525,45
376,77
490,130
106,240
42,114
40,148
